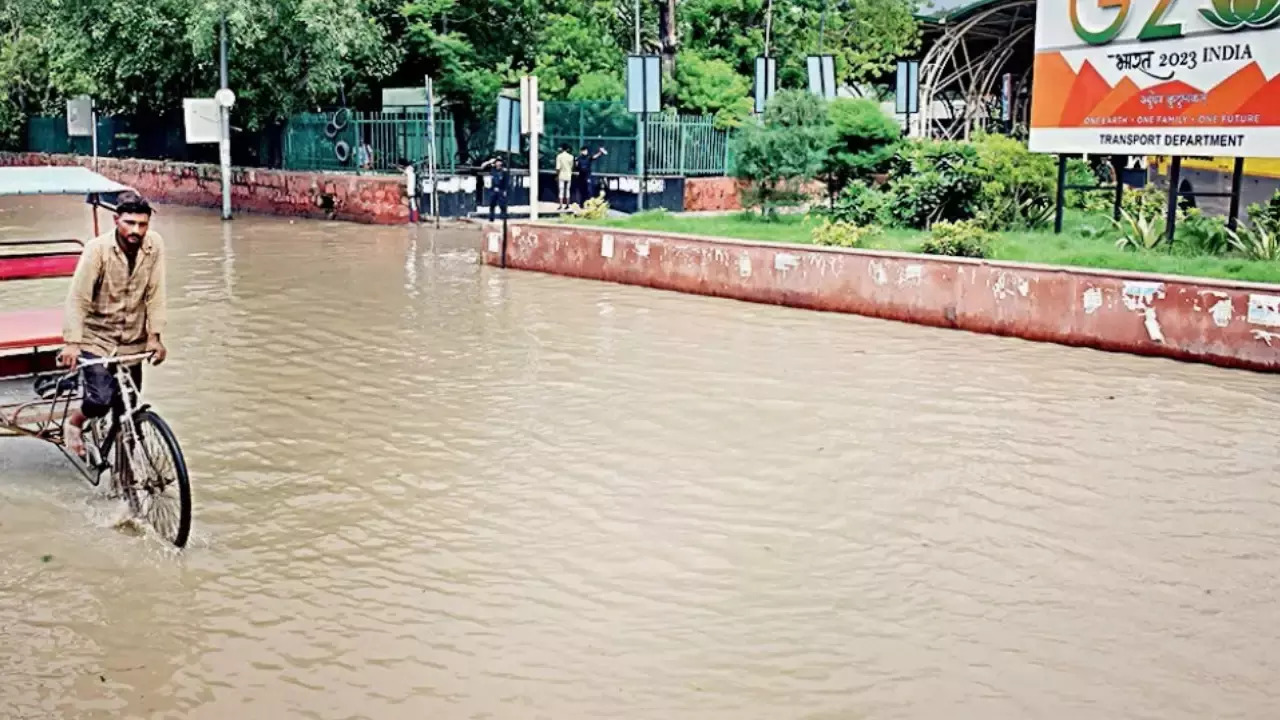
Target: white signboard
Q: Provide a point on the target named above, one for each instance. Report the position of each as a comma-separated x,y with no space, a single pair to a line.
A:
80,116
200,117
1157,77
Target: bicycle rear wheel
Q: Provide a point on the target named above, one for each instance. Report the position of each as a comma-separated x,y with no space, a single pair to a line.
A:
158,488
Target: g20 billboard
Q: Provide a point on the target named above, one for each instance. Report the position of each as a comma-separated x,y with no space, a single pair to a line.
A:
1159,77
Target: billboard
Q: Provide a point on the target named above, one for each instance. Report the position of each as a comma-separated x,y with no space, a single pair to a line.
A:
1157,77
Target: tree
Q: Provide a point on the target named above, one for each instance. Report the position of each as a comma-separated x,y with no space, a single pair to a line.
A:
864,141
866,36
596,87
571,47
706,86
784,153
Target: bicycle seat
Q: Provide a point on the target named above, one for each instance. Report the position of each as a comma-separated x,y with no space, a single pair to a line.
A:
51,386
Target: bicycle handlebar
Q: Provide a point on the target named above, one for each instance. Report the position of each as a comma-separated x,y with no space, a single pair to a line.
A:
112,360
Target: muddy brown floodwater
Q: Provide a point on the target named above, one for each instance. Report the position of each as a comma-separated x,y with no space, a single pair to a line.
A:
430,489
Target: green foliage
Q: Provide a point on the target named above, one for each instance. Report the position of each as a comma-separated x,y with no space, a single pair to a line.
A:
866,36
734,115
964,238
796,108
707,85
1266,216
784,153
865,139
1257,243
597,86
860,204
1149,200
1139,231
932,180
844,234
1080,174
571,47
1017,185
1199,234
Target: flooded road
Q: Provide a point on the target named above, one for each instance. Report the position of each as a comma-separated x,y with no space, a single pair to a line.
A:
426,488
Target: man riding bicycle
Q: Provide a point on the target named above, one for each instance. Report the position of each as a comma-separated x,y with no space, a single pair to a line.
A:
116,306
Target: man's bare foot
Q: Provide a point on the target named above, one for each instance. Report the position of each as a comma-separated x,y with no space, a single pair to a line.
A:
73,438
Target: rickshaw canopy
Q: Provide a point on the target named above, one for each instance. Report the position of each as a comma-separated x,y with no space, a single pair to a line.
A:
59,180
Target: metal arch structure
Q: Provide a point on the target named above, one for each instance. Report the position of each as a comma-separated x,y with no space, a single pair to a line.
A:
969,49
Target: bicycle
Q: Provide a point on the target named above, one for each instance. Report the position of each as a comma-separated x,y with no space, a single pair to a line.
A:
132,444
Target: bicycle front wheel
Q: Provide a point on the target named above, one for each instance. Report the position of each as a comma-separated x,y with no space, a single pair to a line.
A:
160,482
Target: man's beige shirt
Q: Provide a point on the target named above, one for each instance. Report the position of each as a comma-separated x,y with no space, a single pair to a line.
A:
117,319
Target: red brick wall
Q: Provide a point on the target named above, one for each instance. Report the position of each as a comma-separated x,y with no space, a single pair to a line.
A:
721,193
378,199
1223,323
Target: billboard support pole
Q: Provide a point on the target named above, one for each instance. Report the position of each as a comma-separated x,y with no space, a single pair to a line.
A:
1119,199
1171,212
1060,198
1237,180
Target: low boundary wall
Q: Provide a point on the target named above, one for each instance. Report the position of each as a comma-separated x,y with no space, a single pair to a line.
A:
1222,323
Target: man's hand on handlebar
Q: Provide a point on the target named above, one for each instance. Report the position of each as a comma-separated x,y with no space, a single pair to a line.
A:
157,350
70,356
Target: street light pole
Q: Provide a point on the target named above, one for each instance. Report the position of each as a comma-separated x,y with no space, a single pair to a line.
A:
224,112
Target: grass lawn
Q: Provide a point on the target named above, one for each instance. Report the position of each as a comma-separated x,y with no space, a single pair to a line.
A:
1069,248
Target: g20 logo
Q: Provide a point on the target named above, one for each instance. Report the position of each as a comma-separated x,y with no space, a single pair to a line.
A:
1226,15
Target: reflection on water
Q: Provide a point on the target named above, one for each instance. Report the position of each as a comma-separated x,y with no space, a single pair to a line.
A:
426,488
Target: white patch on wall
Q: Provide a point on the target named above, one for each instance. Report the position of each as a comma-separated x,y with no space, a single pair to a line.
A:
606,246
911,275
1092,300
495,242
744,265
1266,337
451,184
879,275
642,248
783,262
1152,325
1007,285
1222,312
1140,295
631,184
1264,310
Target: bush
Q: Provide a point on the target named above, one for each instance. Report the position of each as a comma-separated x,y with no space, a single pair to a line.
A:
1139,231
864,141
1149,200
844,234
1018,185
964,238
1200,234
933,180
1266,216
783,154
594,208
1079,173
1257,243
860,204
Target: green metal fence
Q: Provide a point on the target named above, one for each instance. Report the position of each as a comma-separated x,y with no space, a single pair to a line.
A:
343,140
675,145
365,142
685,145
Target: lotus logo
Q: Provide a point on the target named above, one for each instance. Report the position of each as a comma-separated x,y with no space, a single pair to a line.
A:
1238,14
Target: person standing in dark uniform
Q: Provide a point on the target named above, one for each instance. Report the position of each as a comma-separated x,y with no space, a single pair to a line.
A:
499,185
582,173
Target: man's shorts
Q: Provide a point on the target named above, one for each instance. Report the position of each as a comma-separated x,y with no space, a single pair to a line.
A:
101,391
